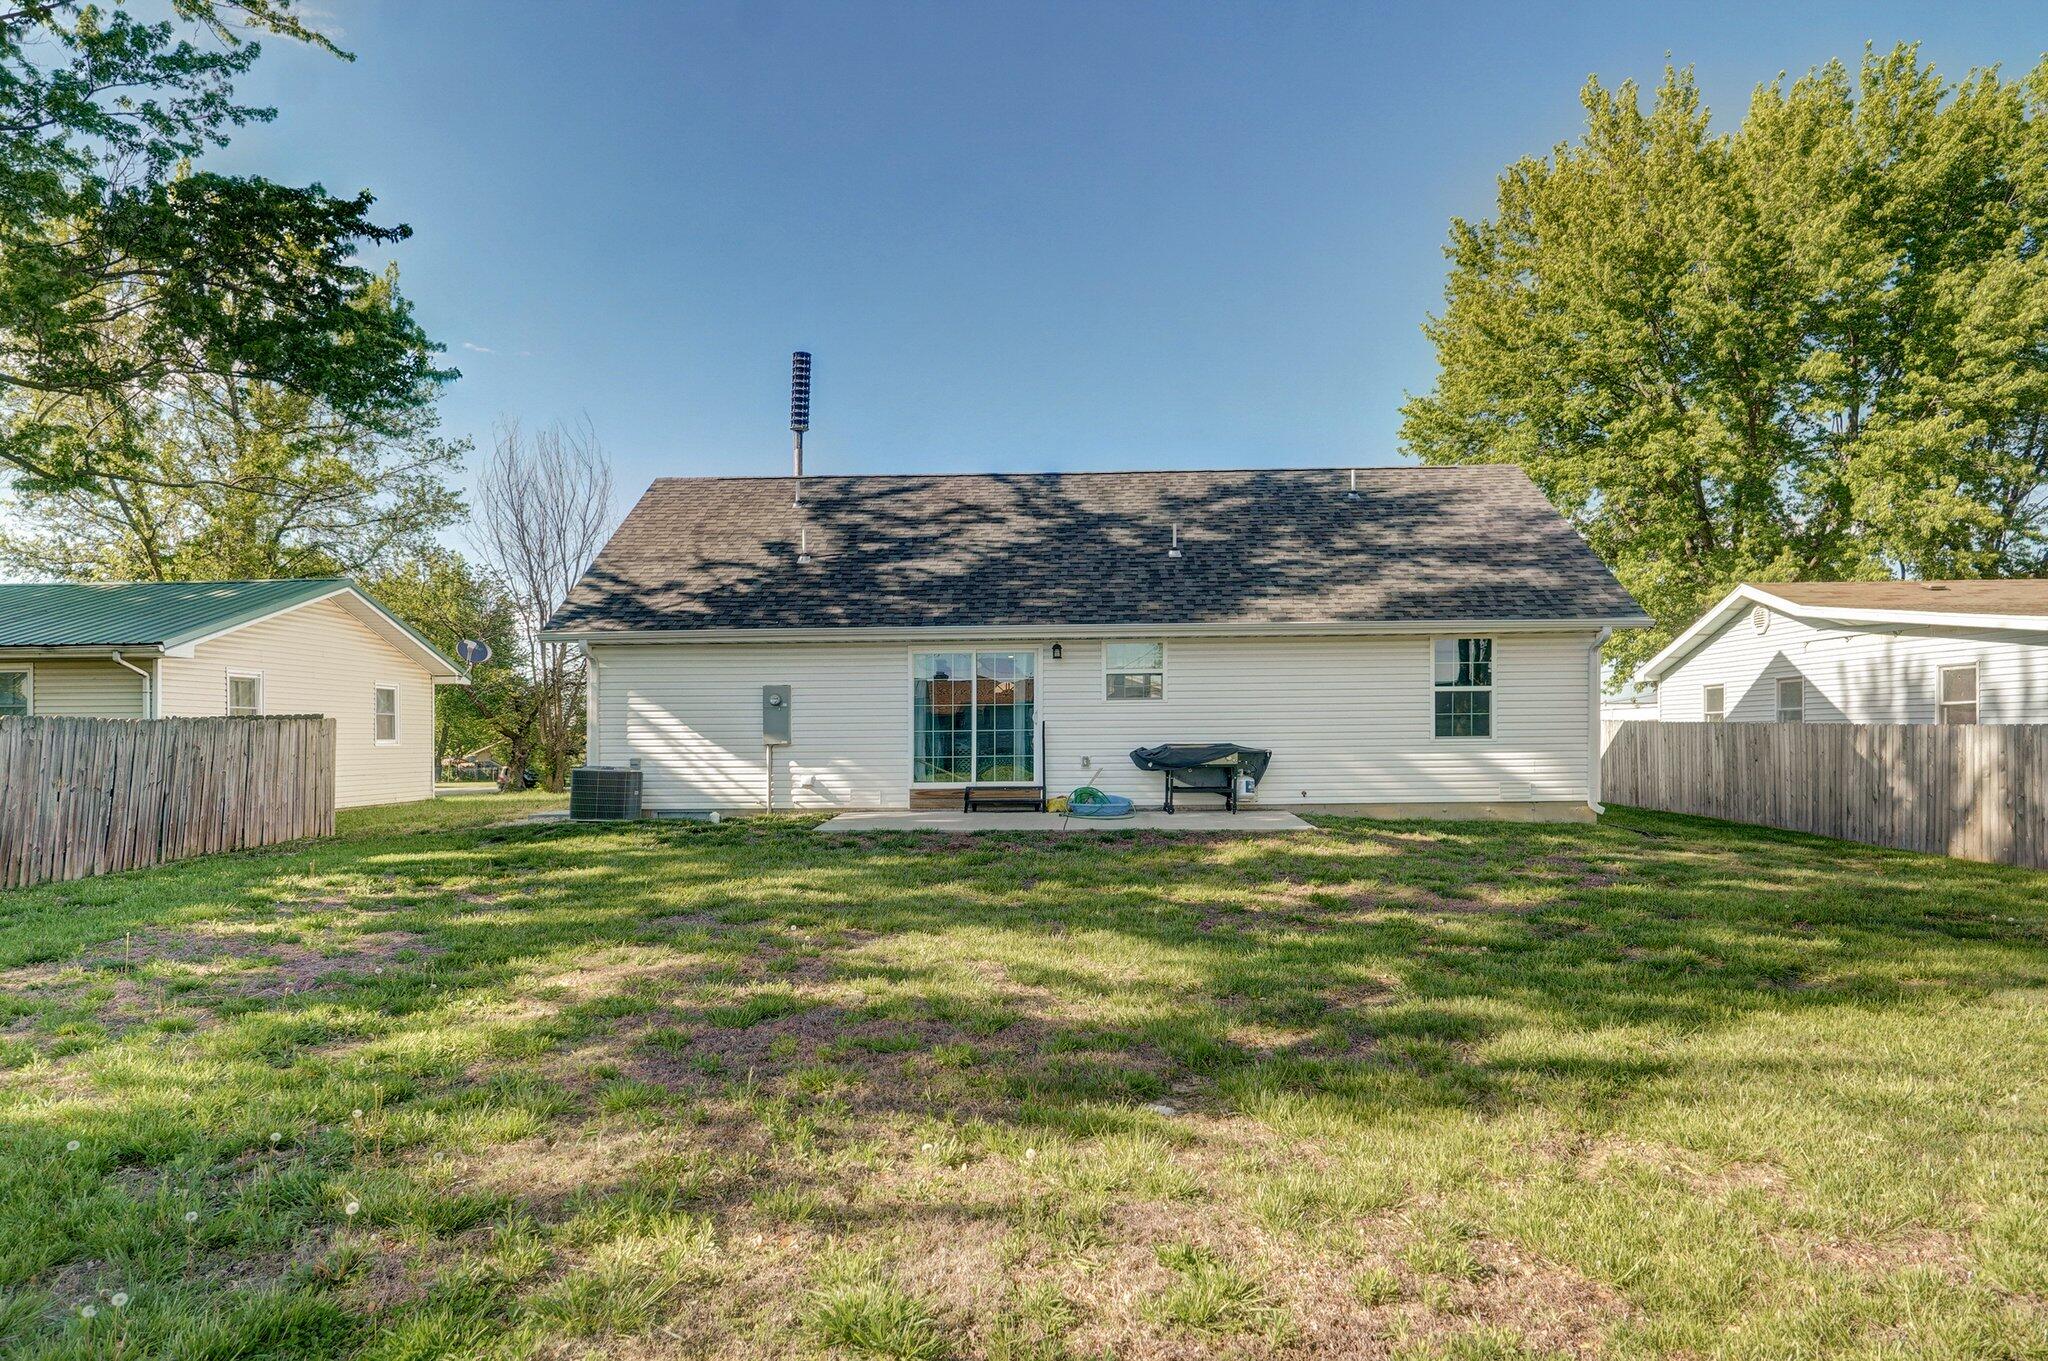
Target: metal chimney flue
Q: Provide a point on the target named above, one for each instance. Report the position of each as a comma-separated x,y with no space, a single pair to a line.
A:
799,403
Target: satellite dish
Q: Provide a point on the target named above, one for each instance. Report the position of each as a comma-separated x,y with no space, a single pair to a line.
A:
472,652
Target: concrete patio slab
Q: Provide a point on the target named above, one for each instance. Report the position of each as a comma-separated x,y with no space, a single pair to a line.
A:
1252,822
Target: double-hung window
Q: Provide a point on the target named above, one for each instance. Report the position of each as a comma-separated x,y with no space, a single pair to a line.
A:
386,713
973,717
15,692
1959,694
1134,670
1464,687
1792,699
245,694
1714,703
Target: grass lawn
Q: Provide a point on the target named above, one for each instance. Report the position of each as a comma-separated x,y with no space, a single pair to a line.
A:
1656,1088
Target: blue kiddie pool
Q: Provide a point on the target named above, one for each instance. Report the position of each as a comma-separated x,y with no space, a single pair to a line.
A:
1090,802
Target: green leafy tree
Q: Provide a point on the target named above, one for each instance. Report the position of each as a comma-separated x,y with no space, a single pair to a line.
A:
448,598
1816,346
238,479
124,269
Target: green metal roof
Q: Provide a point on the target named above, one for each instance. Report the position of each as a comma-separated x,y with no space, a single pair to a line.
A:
161,614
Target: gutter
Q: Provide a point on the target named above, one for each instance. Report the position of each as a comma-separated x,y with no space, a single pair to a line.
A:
31,651
1593,722
1366,628
148,689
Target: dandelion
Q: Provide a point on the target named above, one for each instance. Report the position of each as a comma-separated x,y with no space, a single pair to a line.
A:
275,1137
88,1311
120,1299
356,1114
191,1216
1029,1154
927,1148
352,1207
71,1147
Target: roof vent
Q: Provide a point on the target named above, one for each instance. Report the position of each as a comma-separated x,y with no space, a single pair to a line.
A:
1352,495
803,546
1174,551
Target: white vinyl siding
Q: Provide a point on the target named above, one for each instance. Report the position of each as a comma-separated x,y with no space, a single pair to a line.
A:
85,687
322,659
1855,676
1349,720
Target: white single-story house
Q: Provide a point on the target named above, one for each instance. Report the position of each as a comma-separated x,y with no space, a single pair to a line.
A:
194,649
1860,652
1401,639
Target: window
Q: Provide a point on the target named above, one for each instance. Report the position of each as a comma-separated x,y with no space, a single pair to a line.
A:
1134,670
1959,694
1792,699
387,713
245,694
1464,687
973,717
16,692
1714,703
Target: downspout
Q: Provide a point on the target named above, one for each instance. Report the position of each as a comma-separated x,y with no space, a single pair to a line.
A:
1593,724
148,690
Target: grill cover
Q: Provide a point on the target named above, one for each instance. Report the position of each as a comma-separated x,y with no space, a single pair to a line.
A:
1179,756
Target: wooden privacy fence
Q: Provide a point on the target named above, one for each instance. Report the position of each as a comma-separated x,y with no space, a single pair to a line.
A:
82,796
1975,792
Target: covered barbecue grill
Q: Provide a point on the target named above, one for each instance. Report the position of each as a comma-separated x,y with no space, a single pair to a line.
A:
1204,767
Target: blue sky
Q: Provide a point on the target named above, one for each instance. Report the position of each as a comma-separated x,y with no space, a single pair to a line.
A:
1017,237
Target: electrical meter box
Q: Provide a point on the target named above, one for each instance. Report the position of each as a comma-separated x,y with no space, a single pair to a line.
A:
775,715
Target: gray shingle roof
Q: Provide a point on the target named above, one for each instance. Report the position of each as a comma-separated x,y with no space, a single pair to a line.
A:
1275,546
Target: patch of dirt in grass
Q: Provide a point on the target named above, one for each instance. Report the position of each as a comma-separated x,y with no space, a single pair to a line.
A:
1928,1249
284,970
245,964
547,1170
1360,996
1553,1307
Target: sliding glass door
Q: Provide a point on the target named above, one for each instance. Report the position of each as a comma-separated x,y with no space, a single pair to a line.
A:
974,717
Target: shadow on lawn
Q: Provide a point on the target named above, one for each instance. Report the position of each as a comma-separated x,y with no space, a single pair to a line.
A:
1365,965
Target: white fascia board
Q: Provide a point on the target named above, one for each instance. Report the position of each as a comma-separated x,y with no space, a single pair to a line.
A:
1056,631
1728,606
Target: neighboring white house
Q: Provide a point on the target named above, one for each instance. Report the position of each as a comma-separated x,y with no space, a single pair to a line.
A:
189,649
1861,652
1430,638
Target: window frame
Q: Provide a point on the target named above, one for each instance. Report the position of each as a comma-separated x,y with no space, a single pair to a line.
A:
973,652
1492,683
1778,698
1717,713
228,685
27,671
1108,671
1975,703
397,729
